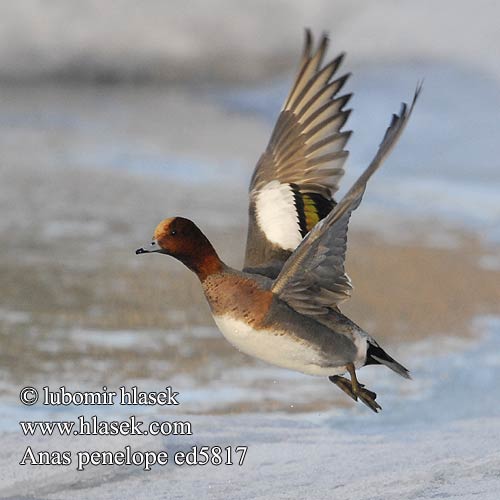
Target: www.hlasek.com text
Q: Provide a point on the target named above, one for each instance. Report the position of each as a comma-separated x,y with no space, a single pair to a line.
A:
94,427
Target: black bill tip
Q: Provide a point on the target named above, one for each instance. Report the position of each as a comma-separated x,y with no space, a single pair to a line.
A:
140,250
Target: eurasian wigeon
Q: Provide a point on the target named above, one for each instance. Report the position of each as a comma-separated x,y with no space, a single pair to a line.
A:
283,307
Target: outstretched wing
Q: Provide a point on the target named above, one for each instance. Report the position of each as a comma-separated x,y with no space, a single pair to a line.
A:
294,181
313,280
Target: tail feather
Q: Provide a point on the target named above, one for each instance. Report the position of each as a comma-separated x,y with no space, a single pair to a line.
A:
377,356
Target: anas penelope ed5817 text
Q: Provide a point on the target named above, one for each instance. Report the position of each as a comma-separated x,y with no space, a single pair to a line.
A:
283,307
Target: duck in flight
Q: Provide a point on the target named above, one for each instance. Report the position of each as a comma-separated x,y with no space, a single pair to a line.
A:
283,307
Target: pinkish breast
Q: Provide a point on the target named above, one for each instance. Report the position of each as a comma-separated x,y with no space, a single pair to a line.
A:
237,296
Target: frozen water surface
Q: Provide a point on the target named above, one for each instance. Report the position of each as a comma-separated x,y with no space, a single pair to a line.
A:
436,438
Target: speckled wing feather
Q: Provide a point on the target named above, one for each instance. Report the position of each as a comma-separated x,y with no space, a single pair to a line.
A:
294,181
313,279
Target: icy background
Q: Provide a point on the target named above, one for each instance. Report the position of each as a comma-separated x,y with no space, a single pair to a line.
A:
158,107
436,438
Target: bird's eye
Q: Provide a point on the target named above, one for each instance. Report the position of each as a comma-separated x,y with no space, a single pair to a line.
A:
173,232
153,243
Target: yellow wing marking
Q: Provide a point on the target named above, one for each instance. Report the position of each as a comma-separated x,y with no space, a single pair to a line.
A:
310,212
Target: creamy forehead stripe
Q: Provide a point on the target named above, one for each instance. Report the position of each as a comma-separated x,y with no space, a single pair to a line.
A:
277,215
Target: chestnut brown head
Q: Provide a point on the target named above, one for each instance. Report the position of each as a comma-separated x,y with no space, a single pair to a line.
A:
182,239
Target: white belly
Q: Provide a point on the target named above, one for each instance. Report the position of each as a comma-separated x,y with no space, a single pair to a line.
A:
280,350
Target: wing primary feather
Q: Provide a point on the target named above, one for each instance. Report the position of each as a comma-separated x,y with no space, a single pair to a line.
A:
310,168
328,157
318,179
306,149
391,136
311,64
296,269
331,124
320,79
284,126
335,122
339,140
306,55
320,53
333,88
315,115
289,135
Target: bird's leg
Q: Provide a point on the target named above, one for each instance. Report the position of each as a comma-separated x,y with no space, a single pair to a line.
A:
368,397
343,384
346,386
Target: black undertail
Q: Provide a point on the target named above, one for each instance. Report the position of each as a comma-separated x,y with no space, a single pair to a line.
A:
377,356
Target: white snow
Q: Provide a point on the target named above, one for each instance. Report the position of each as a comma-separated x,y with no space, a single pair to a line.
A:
223,39
437,437
287,458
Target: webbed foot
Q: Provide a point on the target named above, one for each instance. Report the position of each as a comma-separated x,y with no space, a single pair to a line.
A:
356,390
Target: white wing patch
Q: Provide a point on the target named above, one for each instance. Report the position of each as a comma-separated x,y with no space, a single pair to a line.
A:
277,216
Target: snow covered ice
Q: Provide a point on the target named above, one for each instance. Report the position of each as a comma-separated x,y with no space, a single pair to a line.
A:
72,153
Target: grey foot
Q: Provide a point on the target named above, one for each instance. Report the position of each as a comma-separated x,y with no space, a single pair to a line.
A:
365,395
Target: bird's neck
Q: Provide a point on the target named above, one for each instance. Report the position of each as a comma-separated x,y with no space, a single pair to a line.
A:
203,260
